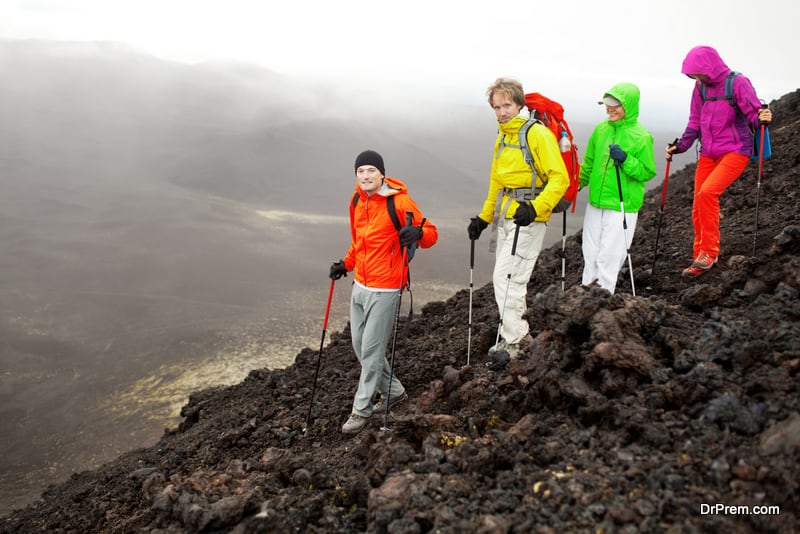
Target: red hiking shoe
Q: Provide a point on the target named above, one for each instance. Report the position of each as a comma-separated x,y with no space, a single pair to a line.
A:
704,261
701,264
692,272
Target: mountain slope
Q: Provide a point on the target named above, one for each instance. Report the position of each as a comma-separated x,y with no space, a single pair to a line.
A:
627,414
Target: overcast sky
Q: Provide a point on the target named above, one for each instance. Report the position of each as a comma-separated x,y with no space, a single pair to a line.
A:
570,50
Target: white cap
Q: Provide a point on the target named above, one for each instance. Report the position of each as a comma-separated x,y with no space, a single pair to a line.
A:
609,100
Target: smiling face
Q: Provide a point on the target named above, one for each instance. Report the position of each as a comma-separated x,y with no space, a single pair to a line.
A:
369,179
615,113
504,107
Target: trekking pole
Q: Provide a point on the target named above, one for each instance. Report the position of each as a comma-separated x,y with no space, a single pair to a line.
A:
391,361
625,227
563,250
385,426
508,283
758,188
661,212
471,268
319,355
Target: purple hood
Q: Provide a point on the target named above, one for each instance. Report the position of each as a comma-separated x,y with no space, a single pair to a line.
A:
705,60
722,128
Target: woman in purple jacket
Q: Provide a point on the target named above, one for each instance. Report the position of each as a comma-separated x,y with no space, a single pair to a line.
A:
725,129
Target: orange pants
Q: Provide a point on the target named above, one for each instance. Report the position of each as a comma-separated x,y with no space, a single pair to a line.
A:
711,179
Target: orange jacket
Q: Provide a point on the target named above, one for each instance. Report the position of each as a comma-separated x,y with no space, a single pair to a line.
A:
375,251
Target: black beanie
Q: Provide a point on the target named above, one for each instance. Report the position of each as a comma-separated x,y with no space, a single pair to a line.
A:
370,157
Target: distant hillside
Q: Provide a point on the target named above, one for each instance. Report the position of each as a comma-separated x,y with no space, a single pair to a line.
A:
98,112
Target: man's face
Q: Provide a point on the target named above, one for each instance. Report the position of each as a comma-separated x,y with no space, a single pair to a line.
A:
615,113
369,178
505,108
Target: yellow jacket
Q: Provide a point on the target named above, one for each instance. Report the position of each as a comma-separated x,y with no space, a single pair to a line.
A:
510,171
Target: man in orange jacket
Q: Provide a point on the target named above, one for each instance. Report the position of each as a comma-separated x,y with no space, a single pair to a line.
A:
378,254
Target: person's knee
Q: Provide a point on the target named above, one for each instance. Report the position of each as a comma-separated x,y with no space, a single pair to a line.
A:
706,197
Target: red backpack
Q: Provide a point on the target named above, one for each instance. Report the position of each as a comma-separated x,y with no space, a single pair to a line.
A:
551,114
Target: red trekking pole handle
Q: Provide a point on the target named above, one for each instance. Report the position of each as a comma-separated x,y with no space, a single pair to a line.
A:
666,176
328,308
666,181
761,146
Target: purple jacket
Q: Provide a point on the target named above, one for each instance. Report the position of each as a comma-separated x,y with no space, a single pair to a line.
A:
721,129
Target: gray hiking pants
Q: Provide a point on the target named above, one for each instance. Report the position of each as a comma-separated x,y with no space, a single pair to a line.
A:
372,315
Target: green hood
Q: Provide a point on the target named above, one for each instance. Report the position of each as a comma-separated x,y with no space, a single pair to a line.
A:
628,95
598,170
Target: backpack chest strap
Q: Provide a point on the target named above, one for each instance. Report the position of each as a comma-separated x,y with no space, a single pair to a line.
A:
503,146
520,194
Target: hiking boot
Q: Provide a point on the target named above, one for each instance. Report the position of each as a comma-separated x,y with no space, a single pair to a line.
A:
704,261
692,272
590,285
354,424
500,346
499,361
380,406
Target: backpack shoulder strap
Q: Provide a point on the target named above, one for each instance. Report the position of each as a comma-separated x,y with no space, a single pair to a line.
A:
728,90
729,87
352,210
523,140
390,207
526,151
393,212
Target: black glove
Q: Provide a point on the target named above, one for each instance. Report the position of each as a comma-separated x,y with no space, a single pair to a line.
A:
617,154
338,270
409,235
563,205
476,226
525,213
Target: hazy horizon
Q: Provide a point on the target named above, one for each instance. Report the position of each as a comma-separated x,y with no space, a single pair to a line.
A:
445,51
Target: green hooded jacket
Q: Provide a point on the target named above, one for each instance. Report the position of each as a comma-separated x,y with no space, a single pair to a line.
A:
597,169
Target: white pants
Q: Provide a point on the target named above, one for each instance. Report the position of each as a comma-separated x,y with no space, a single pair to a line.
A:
372,315
510,292
605,245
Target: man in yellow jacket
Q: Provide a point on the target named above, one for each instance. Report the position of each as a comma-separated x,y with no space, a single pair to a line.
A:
520,199
377,254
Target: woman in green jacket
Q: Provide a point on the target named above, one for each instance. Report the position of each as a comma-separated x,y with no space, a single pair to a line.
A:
619,141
